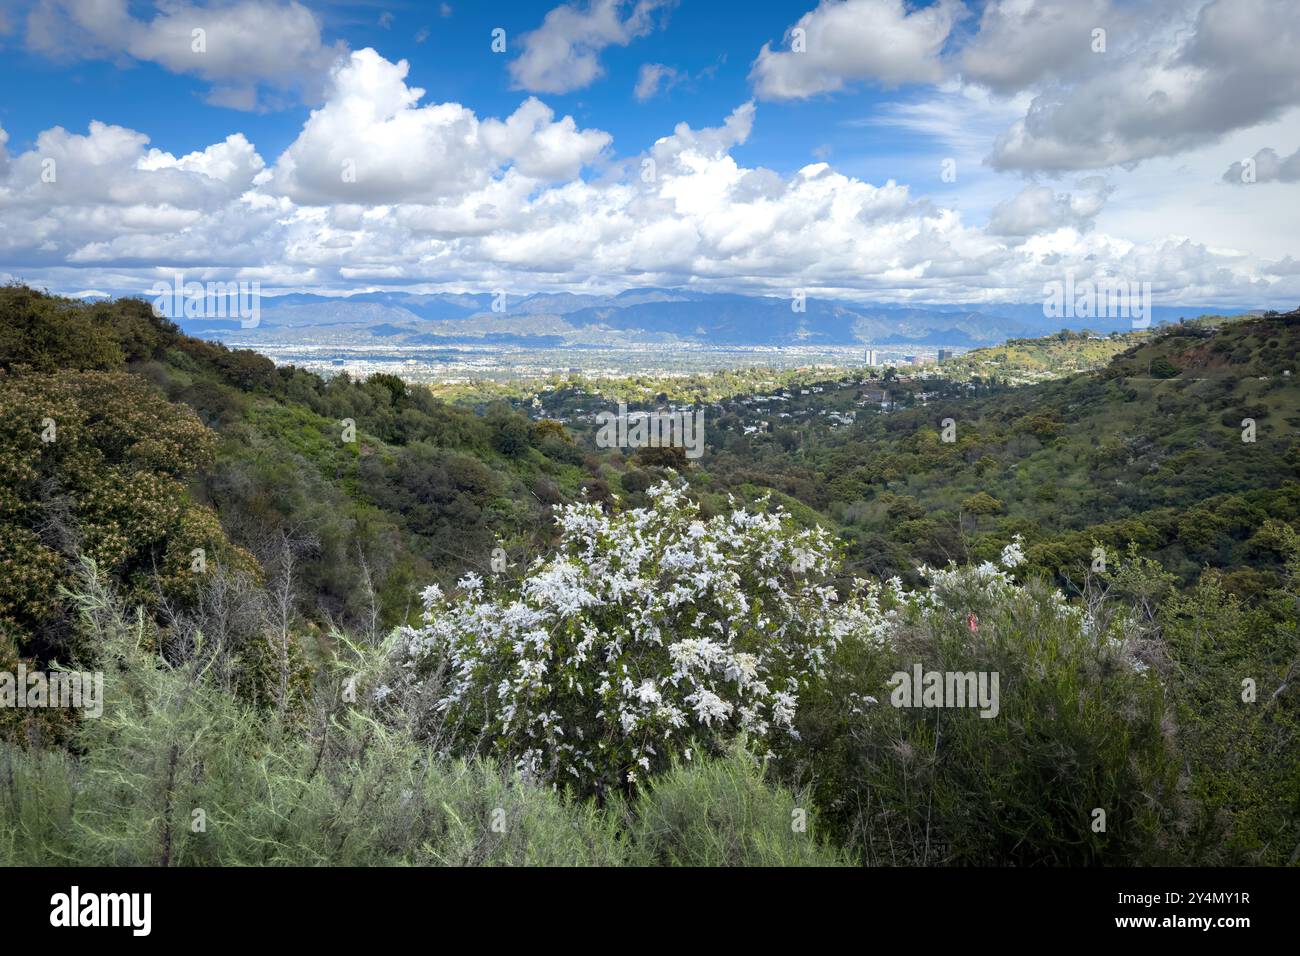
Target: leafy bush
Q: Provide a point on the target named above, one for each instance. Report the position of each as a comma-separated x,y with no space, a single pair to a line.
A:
98,462
1238,701
1081,725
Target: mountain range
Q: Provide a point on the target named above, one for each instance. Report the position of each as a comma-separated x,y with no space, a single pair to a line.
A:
639,317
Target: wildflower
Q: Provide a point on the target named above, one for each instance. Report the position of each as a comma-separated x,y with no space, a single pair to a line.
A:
647,693
1013,555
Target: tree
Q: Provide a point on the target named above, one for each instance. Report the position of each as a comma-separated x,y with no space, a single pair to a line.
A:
981,503
96,463
511,433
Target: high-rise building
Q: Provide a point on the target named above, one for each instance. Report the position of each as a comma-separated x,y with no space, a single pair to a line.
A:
944,355
873,357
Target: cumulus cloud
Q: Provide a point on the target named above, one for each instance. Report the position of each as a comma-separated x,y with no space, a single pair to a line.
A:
845,41
1234,67
372,143
1283,267
1265,167
540,147
103,196
444,199
255,53
563,54
1041,209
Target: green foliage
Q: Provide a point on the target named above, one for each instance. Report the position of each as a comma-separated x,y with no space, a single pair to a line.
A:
1237,736
99,463
722,814
427,489
1081,725
178,773
231,692
981,503
45,333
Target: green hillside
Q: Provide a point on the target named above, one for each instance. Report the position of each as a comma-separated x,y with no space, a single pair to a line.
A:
312,635
424,487
1148,450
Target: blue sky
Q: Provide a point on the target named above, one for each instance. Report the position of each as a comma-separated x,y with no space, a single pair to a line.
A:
820,168
454,62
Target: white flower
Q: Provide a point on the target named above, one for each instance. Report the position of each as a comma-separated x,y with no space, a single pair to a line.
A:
648,693
742,669
709,706
1012,555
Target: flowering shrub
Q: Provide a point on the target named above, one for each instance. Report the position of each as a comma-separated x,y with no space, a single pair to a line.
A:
649,634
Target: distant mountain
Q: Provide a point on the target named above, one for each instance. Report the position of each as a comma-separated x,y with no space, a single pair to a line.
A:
642,316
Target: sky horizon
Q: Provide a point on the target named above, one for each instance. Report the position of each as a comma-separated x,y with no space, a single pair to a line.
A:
869,150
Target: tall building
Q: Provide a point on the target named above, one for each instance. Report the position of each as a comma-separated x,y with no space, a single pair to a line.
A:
944,354
873,357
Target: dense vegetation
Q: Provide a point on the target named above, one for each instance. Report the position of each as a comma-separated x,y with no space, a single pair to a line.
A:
1149,450
344,622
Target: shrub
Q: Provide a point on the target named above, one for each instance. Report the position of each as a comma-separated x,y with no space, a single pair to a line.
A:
179,772
722,814
1239,704
1081,724
650,633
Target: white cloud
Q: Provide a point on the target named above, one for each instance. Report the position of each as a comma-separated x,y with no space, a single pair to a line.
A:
653,77
244,49
1022,42
444,199
1040,209
846,41
563,54
540,147
102,197
372,143
1197,78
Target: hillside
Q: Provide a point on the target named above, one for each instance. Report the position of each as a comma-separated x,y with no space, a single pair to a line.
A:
1148,450
297,612
258,464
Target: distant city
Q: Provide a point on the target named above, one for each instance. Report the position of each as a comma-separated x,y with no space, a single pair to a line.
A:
505,363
